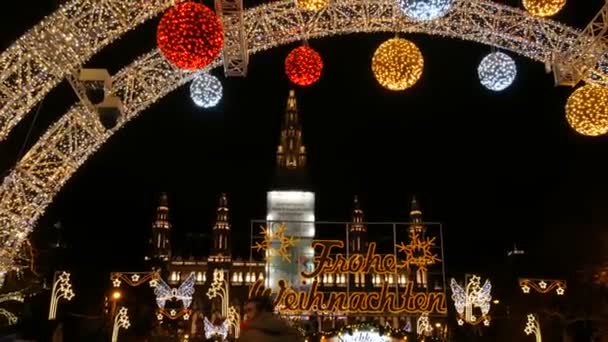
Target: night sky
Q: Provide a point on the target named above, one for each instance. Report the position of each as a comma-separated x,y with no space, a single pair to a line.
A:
494,168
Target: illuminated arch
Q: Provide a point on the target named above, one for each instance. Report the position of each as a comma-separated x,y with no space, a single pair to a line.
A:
41,59
40,174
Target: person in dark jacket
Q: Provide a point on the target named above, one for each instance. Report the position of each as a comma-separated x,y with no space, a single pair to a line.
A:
263,326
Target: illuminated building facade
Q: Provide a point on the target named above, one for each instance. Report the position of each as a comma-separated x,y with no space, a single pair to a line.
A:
289,202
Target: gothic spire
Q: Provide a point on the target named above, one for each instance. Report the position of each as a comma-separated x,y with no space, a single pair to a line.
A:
221,221
291,152
162,213
416,217
357,217
221,231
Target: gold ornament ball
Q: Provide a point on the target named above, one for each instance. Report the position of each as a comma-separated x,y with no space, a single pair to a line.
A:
312,5
544,8
587,110
397,64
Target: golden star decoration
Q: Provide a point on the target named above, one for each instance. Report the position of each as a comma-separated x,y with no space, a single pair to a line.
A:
418,252
269,237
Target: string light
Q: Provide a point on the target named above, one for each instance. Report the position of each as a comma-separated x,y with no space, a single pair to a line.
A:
206,90
190,35
544,8
312,5
425,9
303,66
397,64
587,110
497,71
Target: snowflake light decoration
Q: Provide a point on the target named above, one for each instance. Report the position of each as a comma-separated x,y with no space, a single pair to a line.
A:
279,237
206,90
418,252
425,9
497,71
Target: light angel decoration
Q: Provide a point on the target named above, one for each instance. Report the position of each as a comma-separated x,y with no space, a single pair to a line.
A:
215,331
183,293
472,296
423,325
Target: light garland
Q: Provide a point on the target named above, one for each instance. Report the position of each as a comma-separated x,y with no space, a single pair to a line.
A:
206,90
543,286
190,35
312,5
33,183
587,110
497,71
397,64
425,9
544,8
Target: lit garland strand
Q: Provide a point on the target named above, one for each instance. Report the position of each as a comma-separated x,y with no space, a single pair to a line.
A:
190,35
425,9
206,90
544,8
587,110
497,71
397,64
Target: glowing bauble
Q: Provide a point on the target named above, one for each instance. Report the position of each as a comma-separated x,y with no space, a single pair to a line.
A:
425,9
397,64
544,8
587,110
190,35
497,71
312,5
303,66
206,90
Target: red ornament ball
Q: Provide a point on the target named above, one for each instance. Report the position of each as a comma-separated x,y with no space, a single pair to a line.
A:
303,66
190,35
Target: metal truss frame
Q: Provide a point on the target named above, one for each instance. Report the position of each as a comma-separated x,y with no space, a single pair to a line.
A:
235,53
41,173
587,57
40,59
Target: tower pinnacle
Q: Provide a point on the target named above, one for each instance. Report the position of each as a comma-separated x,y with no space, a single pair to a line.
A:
291,152
357,229
161,230
416,225
221,229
